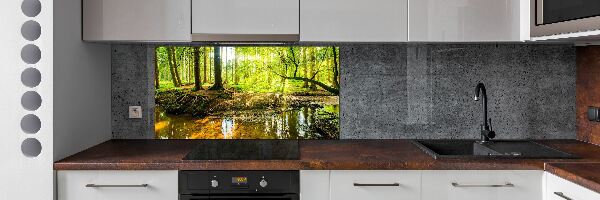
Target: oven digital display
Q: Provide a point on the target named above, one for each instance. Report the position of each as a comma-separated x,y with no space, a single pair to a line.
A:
239,180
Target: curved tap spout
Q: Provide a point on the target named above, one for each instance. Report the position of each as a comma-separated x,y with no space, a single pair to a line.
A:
481,88
486,132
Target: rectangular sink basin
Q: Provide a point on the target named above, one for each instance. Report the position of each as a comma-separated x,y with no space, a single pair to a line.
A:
440,149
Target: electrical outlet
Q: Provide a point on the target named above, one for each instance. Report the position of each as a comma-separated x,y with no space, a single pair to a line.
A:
135,112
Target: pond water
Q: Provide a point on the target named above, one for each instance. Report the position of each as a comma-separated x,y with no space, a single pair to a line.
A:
312,122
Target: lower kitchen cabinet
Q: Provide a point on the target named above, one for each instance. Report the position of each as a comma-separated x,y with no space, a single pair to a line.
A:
341,185
560,189
314,184
376,185
482,185
117,185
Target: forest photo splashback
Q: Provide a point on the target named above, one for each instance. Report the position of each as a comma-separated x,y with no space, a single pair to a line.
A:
244,92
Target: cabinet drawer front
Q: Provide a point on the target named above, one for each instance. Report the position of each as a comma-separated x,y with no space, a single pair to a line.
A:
354,20
117,185
246,16
465,21
136,20
376,185
482,185
314,184
560,189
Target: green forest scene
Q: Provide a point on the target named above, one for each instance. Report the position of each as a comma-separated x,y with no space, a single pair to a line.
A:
247,92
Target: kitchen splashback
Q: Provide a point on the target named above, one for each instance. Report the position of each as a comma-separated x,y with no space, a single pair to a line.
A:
588,92
409,90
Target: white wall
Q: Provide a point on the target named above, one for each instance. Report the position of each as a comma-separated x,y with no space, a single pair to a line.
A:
81,89
82,93
24,177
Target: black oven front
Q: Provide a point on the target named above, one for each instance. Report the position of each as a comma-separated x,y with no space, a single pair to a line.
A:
556,11
560,17
237,185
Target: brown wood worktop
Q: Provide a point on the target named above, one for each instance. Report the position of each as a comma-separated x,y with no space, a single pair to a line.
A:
314,154
332,155
584,174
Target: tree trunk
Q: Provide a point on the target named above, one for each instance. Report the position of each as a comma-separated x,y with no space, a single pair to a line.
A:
254,67
205,49
183,66
176,66
322,85
335,79
313,68
156,72
210,66
197,83
225,66
172,67
282,57
217,59
191,60
305,66
235,65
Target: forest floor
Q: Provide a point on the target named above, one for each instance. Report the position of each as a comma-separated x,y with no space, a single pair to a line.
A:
223,102
184,113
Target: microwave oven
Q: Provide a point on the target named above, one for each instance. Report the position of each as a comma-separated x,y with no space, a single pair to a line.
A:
554,17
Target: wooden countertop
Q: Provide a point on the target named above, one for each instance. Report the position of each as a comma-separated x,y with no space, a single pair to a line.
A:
314,154
332,155
584,174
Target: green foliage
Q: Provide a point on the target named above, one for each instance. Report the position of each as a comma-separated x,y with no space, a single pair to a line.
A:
254,69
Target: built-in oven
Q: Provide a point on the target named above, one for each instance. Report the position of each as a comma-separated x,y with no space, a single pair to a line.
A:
552,17
237,185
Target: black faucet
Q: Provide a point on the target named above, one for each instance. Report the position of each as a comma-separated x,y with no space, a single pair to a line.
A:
486,129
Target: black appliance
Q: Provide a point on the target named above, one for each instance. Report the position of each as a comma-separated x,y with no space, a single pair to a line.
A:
235,185
244,150
551,17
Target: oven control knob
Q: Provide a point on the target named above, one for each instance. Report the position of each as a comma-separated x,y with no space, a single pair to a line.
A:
214,183
263,183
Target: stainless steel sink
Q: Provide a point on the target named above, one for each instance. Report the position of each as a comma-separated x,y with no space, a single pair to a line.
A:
440,149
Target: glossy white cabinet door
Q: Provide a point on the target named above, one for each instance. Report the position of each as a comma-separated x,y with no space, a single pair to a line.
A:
353,20
375,185
468,20
560,189
161,185
248,17
314,185
136,20
482,185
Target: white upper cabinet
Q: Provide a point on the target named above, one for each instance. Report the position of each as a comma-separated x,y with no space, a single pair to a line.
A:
468,20
245,20
136,20
353,20
307,20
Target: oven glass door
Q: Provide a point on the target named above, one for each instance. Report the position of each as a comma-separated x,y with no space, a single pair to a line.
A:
554,11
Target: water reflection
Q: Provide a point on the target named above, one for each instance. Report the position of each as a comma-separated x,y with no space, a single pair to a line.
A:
304,122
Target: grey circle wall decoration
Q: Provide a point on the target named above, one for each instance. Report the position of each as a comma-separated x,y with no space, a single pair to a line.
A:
31,100
31,8
31,30
31,54
31,147
31,77
31,124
